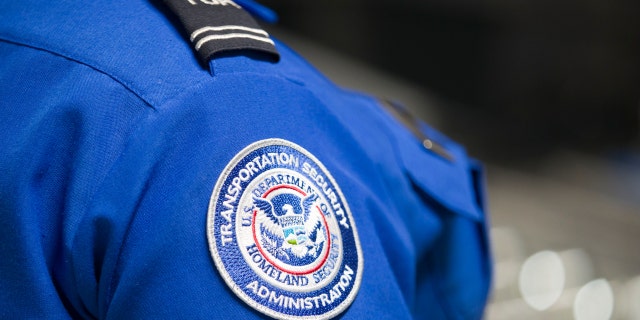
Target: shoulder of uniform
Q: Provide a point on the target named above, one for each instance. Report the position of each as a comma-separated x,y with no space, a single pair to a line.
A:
141,44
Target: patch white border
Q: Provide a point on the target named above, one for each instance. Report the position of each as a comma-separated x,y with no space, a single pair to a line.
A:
213,250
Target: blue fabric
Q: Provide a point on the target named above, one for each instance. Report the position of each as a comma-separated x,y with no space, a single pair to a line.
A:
113,137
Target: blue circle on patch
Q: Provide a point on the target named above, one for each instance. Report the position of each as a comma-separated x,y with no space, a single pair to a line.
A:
281,233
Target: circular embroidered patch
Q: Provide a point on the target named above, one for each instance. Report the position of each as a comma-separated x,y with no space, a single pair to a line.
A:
281,233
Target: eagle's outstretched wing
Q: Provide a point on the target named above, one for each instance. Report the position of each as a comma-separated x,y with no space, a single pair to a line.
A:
307,204
266,207
313,235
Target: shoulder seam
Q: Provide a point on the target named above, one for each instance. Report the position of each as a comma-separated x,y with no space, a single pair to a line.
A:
70,58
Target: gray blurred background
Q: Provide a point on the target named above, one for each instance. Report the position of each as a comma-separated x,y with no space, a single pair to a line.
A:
547,95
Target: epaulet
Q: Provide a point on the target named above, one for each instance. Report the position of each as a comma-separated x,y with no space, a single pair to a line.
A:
216,26
412,123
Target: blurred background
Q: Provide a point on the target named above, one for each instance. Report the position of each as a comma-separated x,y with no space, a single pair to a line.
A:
545,93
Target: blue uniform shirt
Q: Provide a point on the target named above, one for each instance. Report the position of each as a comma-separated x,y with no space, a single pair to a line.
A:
139,183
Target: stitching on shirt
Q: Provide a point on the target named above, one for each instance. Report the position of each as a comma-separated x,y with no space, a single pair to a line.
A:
124,84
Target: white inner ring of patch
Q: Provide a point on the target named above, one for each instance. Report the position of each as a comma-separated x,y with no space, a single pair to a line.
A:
245,238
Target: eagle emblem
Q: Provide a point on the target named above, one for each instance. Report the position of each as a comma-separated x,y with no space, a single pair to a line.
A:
290,227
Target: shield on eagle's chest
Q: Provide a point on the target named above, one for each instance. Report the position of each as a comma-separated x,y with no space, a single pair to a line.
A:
289,212
295,235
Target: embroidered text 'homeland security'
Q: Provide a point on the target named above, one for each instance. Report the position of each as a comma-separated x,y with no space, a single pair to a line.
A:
281,233
220,25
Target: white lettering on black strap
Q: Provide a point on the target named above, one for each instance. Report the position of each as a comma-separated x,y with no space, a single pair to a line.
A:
215,2
221,25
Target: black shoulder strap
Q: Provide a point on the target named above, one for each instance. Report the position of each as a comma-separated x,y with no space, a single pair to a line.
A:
412,123
220,25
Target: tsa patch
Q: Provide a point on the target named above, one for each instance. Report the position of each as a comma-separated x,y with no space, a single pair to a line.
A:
281,233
